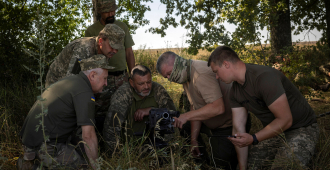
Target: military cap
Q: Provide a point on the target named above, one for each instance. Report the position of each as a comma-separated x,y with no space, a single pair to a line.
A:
115,35
96,61
106,5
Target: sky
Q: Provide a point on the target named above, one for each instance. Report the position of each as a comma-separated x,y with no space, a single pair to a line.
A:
176,37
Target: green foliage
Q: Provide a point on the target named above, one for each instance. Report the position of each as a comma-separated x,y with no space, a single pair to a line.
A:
250,16
65,20
131,12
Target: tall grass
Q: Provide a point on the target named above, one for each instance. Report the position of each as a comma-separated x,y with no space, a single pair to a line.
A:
17,97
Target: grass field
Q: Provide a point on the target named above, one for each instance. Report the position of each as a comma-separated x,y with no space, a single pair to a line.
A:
17,99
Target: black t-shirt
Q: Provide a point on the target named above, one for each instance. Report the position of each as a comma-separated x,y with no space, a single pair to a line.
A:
262,86
70,103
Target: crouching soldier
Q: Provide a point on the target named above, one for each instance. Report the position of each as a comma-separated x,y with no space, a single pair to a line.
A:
71,104
131,103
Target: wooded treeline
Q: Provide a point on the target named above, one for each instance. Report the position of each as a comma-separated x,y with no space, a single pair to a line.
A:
65,20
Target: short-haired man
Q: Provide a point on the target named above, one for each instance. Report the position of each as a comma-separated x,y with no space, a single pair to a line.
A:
132,103
209,100
71,104
290,127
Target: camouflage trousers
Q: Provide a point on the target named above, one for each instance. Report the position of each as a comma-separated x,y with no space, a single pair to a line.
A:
58,156
103,99
289,150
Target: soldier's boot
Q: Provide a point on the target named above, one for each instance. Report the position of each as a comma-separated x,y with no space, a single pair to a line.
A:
25,165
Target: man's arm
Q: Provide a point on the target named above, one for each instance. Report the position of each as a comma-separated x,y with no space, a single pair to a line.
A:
239,121
283,120
195,129
89,137
130,58
206,112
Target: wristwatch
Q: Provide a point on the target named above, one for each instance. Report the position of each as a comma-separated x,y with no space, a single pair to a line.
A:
255,140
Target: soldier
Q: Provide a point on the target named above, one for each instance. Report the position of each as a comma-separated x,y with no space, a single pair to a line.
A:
108,42
290,129
107,10
210,106
69,104
132,103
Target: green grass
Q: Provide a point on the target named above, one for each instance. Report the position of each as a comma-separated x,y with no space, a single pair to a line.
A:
17,98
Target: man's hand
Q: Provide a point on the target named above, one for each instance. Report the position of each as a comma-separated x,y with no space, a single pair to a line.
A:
242,139
180,121
140,113
194,148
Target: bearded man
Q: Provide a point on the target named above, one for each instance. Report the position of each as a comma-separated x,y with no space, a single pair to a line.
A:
131,103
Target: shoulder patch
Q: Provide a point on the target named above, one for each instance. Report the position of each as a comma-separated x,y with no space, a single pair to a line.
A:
93,99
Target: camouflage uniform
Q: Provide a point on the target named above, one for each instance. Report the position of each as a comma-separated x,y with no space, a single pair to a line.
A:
280,152
120,107
66,63
58,155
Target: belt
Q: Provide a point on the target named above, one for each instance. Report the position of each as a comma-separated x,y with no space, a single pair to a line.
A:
117,73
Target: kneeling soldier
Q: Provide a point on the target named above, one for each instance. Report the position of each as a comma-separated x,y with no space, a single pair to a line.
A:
132,103
71,104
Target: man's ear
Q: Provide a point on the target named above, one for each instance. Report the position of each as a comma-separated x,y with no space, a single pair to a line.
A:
226,64
92,75
100,42
131,82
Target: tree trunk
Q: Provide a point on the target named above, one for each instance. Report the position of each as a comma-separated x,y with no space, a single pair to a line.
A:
280,28
96,15
327,18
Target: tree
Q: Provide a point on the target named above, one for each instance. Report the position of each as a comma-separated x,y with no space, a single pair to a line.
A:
64,22
250,16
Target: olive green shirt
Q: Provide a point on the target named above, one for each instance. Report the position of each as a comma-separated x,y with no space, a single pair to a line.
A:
263,85
123,105
118,60
70,103
138,103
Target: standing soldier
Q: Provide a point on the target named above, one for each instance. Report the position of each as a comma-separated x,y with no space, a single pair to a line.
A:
119,75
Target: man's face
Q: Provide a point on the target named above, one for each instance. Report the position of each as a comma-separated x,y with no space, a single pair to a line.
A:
108,17
99,81
222,73
106,49
166,70
141,84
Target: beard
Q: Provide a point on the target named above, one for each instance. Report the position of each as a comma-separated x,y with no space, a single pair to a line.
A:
141,92
110,20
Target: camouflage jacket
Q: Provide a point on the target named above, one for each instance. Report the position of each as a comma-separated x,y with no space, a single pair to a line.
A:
120,107
65,64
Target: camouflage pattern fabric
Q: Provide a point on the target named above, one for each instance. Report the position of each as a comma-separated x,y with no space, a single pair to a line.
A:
115,35
289,150
120,107
106,5
66,61
59,155
97,61
181,70
103,99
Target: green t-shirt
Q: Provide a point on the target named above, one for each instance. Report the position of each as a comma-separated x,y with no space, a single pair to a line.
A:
70,104
138,103
262,86
118,60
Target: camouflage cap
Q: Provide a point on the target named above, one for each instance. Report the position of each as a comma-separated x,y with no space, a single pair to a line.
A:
115,35
96,61
106,5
